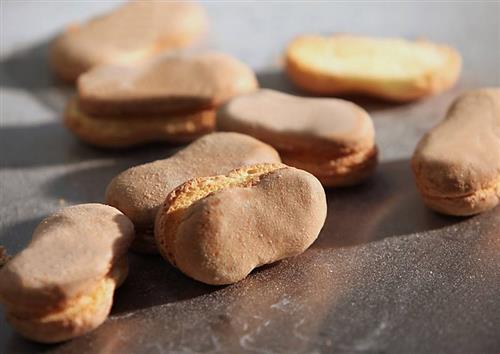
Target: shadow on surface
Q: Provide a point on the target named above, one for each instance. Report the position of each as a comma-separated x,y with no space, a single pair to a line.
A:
276,79
152,281
16,344
386,205
16,236
51,144
87,183
325,282
28,69
41,145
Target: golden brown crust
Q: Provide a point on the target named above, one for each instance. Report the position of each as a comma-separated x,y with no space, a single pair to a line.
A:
455,165
130,33
85,314
121,132
434,68
217,229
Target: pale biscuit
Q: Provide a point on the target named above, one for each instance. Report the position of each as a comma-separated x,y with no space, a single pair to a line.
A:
389,68
130,33
139,191
61,285
218,229
457,163
331,138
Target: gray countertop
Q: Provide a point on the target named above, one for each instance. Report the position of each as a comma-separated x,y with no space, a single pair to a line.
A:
385,276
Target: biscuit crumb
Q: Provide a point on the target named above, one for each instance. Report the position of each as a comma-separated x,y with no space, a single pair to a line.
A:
4,257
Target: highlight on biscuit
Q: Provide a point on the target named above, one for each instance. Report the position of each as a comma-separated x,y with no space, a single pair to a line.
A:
389,68
218,229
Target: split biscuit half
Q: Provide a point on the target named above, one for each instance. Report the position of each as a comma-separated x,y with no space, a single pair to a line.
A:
389,68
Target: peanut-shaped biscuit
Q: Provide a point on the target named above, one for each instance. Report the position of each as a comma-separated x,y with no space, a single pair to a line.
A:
139,191
331,138
170,99
130,33
218,229
166,84
61,285
389,68
457,163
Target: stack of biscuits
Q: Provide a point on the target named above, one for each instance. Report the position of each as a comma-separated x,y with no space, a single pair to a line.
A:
226,204
169,98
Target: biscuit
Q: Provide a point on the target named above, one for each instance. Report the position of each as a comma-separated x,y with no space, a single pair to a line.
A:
457,163
169,99
166,84
128,34
218,229
124,132
139,191
331,138
61,285
388,68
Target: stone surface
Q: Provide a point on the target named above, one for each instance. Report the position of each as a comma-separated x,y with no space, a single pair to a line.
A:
386,274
